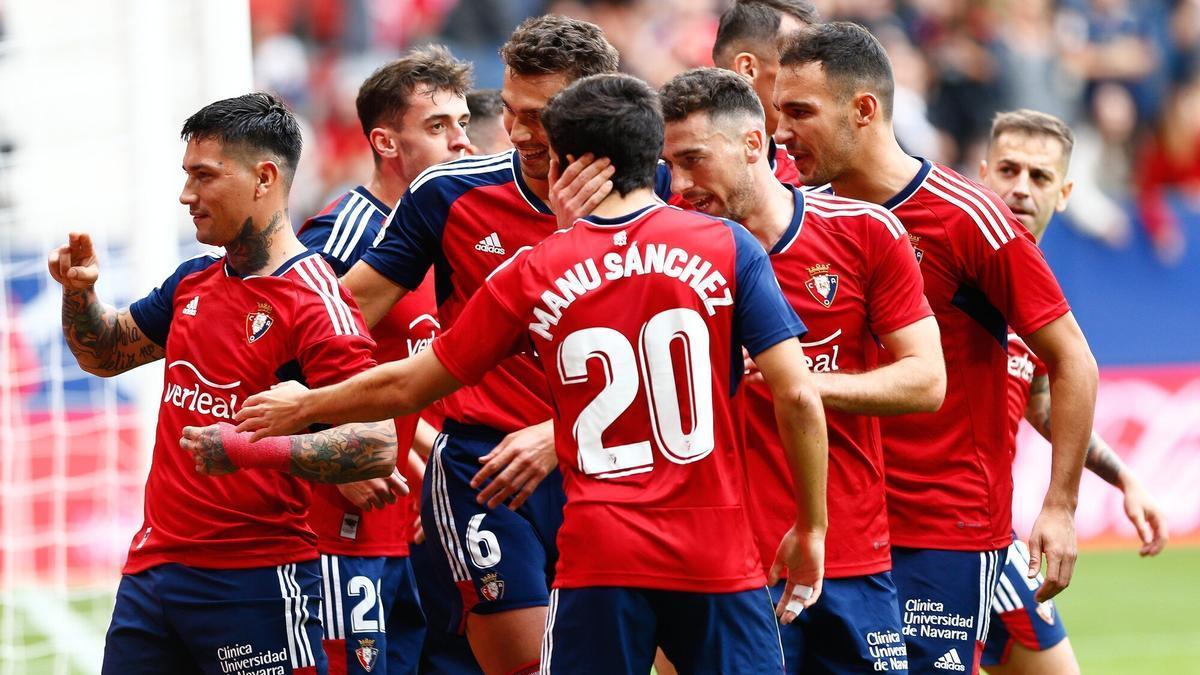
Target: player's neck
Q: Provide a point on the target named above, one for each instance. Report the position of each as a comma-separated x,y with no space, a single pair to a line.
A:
615,205
263,245
880,172
387,183
773,209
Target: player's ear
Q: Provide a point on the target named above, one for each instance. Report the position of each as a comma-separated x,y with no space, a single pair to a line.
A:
1064,194
983,170
268,175
755,139
382,142
746,65
866,108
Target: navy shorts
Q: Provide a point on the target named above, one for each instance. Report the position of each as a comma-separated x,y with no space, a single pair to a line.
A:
945,605
490,560
372,615
180,620
614,630
444,652
854,627
1016,616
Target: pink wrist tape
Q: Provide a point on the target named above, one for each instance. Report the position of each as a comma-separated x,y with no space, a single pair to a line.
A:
269,453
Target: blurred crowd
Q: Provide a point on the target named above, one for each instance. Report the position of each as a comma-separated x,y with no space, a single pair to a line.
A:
1125,74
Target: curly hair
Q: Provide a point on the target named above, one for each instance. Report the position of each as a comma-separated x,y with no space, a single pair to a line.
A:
547,44
715,91
385,94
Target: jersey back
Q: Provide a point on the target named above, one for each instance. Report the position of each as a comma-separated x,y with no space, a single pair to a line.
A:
848,269
949,473
226,338
638,324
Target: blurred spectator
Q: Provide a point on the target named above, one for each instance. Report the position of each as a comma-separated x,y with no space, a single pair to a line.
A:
486,130
1170,161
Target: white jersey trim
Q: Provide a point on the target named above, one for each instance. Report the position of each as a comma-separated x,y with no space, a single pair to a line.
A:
321,280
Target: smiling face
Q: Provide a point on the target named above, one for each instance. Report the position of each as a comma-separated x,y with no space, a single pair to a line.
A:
1029,172
814,123
710,166
432,130
220,191
524,98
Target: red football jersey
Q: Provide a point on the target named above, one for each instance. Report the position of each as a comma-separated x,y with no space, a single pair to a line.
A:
848,269
342,232
465,218
783,165
949,473
226,338
1023,366
637,323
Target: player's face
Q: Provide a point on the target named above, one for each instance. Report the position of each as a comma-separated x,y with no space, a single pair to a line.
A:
488,136
1029,172
709,165
219,191
814,124
432,130
524,98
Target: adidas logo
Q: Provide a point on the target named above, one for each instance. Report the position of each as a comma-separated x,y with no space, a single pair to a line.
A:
190,310
950,661
490,244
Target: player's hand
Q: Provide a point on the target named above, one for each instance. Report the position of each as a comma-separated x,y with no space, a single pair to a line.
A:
578,189
802,555
75,265
208,452
751,373
1150,522
1053,537
275,412
375,493
516,466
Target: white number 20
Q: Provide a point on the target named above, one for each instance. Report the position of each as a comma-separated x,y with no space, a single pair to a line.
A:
624,371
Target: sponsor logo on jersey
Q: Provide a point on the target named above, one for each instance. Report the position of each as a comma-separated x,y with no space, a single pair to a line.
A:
950,661
491,587
190,309
367,654
1020,366
822,285
490,244
258,322
198,397
416,344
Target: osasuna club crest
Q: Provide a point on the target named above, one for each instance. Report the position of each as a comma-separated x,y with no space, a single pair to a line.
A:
367,654
258,322
822,285
491,587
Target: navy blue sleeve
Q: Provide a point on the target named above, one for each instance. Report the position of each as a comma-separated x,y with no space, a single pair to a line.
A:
411,238
762,316
315,235
153,312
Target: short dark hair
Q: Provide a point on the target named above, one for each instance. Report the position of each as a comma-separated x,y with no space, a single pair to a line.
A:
615,116
715,91
852,58
754,23
385,94
548,44
1034,123
485,104
250,124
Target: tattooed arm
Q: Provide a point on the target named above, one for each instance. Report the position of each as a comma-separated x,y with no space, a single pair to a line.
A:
105,341
1140,507
352,452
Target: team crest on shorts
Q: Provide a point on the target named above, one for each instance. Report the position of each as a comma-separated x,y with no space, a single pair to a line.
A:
367,654
822,285
1045,610
258,322
491,587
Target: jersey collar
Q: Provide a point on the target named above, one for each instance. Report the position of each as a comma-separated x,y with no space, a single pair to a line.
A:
793,229
903,195
363,192
621,221
535,202
279,271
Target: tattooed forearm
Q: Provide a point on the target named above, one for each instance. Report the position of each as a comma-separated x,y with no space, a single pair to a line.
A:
104,341
1102,461
347,453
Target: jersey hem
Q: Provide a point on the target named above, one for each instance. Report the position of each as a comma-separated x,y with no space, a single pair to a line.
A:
241,563
957,544
626,580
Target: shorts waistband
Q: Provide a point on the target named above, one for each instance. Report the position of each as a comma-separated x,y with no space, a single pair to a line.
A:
476,432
